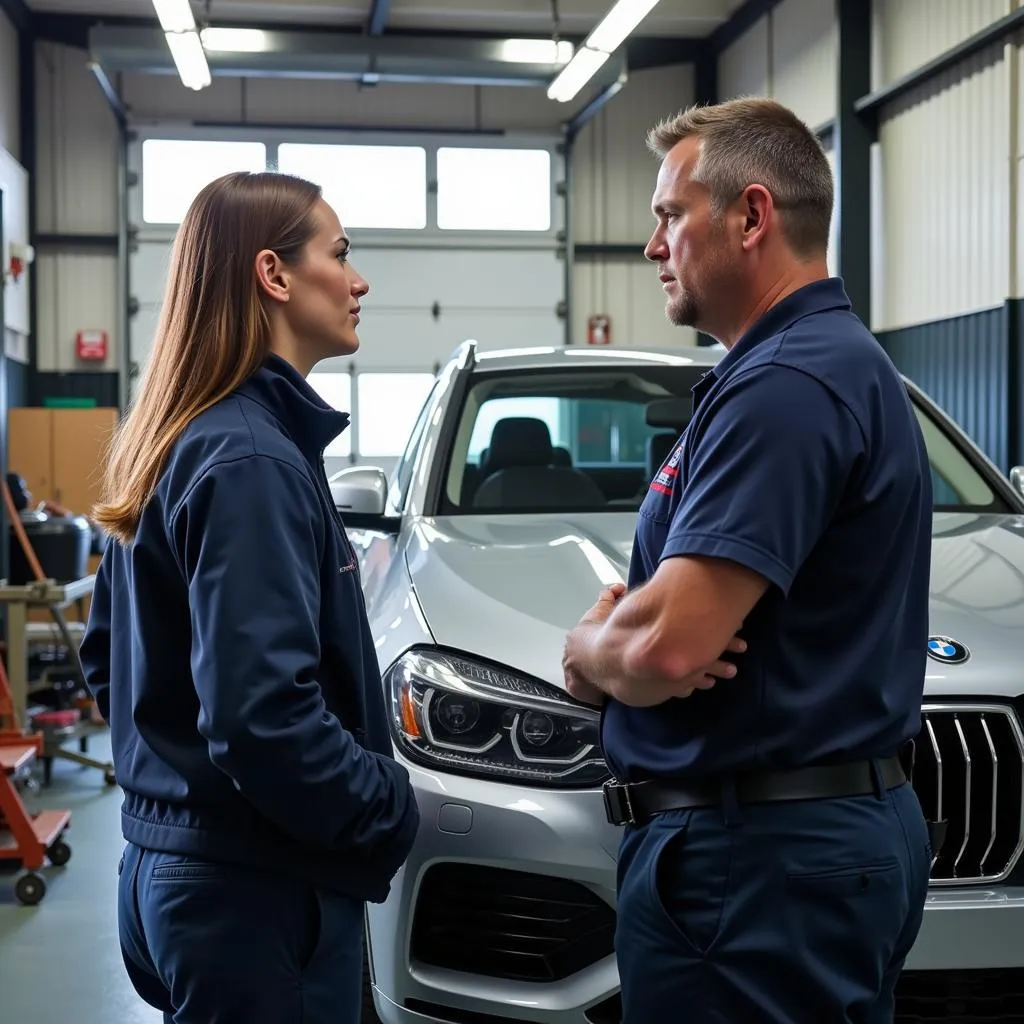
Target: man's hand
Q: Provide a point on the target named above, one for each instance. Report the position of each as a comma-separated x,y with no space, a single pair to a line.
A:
576,684
646,693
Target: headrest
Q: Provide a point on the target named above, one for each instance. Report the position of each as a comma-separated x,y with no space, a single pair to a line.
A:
659,447
519,441
669,412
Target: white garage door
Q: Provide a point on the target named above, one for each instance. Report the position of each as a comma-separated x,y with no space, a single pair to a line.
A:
456,238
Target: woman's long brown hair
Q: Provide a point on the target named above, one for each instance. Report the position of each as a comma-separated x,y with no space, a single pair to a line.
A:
214,331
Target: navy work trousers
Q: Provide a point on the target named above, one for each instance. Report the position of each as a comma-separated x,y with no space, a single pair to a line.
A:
213,943
774,913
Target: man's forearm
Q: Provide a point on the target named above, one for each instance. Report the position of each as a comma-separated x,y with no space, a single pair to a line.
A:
603,655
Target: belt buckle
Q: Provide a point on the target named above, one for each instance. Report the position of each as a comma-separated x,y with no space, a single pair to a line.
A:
618,807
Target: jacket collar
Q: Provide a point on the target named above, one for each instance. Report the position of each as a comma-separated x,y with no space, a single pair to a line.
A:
280,389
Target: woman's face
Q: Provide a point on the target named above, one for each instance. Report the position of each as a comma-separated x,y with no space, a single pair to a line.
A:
323,289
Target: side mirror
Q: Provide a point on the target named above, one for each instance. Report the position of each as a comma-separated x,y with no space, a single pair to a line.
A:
360,494
1017,479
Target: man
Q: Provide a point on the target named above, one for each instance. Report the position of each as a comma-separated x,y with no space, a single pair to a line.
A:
764,670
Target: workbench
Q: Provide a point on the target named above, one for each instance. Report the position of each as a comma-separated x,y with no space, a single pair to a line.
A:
18,600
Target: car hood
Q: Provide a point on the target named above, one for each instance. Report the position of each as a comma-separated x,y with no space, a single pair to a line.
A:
509,588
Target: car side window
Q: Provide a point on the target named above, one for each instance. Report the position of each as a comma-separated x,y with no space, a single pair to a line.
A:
402,476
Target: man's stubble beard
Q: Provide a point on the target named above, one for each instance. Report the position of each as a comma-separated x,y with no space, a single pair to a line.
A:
682,310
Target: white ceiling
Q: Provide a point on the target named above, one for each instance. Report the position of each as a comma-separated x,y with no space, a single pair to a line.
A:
691,18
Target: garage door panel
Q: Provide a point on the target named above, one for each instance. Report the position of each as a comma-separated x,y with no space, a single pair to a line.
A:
422,303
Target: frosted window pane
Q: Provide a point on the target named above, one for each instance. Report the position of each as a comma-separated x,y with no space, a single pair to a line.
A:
493,189
174,171
389,404
367,186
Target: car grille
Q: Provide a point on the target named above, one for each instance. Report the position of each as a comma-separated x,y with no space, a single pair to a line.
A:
969,772
509,924
924,997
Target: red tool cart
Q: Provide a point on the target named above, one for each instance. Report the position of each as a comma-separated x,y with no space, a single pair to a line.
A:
25,838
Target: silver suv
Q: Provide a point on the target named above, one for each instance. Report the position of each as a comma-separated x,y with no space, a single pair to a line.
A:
513,504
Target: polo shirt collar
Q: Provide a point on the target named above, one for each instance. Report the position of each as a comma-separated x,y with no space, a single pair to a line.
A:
817,297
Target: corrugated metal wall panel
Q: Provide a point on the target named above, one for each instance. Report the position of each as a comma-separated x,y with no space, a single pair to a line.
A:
909,33
963,363
613,169
944,199
628,292
10,86
1016,71
76,168
614,176
804,42
76,291
744,68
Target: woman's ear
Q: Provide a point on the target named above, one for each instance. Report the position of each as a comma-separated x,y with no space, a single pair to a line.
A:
271,275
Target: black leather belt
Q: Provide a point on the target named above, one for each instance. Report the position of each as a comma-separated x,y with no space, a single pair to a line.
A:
633,803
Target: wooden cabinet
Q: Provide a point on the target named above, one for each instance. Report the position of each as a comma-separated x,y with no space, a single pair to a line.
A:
60,453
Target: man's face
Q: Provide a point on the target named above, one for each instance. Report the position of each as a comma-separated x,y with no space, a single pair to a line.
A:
689,244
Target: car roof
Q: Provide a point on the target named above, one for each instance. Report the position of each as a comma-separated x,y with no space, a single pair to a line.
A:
580,355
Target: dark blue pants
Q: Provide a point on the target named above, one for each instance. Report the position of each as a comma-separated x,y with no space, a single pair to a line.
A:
783,913
212,943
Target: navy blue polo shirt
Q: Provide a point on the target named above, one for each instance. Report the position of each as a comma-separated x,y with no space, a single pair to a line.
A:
805,463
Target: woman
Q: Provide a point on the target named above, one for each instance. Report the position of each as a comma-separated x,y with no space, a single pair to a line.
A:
227,643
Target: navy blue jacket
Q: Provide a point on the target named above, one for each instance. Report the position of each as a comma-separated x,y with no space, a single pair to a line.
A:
228,648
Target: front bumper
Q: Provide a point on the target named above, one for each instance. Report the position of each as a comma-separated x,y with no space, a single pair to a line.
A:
565,839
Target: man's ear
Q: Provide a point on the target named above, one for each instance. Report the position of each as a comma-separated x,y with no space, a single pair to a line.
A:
271,275
759,208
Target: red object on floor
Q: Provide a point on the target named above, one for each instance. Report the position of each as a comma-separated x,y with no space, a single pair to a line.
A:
24,837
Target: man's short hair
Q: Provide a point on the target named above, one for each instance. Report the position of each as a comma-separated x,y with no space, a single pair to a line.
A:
757,141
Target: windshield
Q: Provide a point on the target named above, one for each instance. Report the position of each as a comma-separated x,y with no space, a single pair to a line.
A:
591,441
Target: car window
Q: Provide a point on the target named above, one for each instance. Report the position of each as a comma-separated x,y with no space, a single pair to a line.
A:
591,439
401,477
579,440
957,484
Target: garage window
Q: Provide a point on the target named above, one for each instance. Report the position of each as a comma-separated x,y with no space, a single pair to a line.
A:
336,390
493,189
175,170
368,186
389,404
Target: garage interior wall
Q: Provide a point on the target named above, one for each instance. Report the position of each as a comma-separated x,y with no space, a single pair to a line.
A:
15,187
614,177
77,172
947,236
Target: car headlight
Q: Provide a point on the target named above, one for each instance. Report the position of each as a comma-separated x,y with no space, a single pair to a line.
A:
472,719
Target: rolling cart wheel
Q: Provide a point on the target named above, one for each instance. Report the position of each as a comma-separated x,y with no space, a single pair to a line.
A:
109,777
30,889
59,853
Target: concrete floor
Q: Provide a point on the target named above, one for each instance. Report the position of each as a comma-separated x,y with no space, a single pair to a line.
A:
60,961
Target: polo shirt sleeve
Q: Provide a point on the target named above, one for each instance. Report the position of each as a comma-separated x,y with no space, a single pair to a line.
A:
768,473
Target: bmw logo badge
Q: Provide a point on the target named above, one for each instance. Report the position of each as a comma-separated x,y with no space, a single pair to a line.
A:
947,650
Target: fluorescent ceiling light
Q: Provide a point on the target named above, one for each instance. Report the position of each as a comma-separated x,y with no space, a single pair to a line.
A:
580,70
609,35
235,40
189,59
536,51
618,23
175,15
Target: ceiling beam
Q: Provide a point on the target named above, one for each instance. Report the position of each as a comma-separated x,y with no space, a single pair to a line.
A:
379,10
19,14
590,110
742,19
328,55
